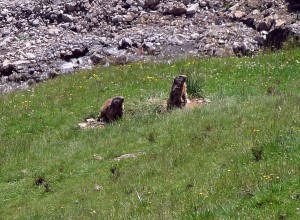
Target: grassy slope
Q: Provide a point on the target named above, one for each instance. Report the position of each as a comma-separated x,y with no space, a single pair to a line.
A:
198,164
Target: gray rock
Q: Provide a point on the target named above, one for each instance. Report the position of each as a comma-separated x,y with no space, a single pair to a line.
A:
192,9
279,23
40,37
35,22
151,3
112,51
67,67
239,14
67,18
98,59
30,56
202,4
224,52
195,36
186,2
70,6
125,43
147,45
263,26
5,32
21,62
6,69
175,8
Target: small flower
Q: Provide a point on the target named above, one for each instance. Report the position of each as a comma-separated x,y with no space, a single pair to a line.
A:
150,77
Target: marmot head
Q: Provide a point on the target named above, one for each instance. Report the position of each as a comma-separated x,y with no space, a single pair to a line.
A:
180,79
117,101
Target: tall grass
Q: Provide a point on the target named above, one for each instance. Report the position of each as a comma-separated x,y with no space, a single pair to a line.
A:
236,158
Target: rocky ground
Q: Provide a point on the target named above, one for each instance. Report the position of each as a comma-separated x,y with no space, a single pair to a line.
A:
41,39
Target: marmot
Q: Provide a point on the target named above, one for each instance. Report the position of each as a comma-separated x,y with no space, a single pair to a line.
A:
178,95
111,110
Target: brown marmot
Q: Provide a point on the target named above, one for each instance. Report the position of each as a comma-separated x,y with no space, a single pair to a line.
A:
178,95
111,110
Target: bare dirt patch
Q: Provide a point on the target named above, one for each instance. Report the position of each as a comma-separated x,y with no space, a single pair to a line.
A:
91,123
160,109
196,102
124,156
191,104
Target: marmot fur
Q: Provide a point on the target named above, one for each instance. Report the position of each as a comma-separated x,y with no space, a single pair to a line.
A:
178,95
112,109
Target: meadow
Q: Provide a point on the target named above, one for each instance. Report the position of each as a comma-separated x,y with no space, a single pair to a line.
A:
235,158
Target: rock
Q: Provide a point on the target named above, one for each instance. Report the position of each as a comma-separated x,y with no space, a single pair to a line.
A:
112,51
224,52
53,30
6,68
260,40
92,123
21,62
125,43
234,7
67,18
67,67
134,155
279,23
97,187
239,14
147,45
195,36
5,32
70,6
30,56
151,3
263,26
190,11
118,60
98,59
35,22
15,77
149,48
277,37
52,74
293,5
242,49
42,39
175,8
202,4
221,41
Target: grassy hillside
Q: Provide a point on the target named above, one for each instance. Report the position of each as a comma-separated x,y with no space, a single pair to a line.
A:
236,158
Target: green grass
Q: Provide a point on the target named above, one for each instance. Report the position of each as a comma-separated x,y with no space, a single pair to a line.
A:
236,158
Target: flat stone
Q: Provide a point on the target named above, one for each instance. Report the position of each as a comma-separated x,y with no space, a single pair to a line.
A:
67,18
279,23
192,9
202,4
239,14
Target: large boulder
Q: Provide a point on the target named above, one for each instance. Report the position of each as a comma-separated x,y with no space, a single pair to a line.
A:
175,8
151,3
6,69
277,37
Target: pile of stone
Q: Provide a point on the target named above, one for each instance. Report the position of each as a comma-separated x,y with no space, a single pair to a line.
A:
41,39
